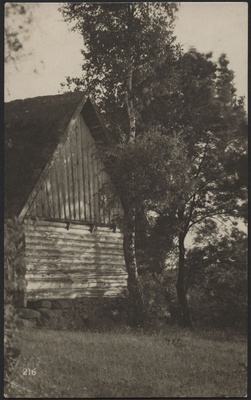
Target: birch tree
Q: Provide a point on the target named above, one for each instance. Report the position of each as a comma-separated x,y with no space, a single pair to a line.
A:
123,45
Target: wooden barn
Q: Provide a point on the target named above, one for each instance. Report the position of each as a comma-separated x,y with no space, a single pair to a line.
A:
55,179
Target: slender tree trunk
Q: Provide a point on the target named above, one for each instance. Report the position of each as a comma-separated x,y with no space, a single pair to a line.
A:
185,313
180,284
130,106
129,83
134,287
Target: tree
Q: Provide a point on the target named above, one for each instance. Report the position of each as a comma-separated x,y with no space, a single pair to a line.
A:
124,44
216,278
158,164
145,83
18,24
212,123
18,17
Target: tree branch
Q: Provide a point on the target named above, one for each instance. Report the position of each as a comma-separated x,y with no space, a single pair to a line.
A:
209,215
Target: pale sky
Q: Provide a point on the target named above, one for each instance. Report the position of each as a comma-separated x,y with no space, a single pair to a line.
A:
217,27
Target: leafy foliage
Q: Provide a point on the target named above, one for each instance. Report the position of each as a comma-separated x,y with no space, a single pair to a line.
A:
122,39
146,84
216,278
14,266
157,164
124,44
18,20
215,133
14,282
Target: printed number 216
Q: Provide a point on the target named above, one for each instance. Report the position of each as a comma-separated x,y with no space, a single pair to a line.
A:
28,371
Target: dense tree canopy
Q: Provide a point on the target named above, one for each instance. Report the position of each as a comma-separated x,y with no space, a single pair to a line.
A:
188,162
212,123
216,275
124,43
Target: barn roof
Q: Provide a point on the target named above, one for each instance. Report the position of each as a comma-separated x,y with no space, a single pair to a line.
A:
33,129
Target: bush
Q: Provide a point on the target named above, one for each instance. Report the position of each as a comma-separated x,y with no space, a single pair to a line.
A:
14,265
14,282
217,274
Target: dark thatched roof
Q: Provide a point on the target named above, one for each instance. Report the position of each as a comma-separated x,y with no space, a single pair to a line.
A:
33,128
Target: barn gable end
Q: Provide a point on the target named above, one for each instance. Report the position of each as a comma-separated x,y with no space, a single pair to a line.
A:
72,249
76,184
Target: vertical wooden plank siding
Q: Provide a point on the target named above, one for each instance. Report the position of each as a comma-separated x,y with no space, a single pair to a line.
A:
39,204
75,171
112,213
61,187
72,263
85,169
108,208
50,191
69,177
73,188
90,175
49,197
95,184
72,173
32,210
54,190
80,172
100,193
43,200
65,184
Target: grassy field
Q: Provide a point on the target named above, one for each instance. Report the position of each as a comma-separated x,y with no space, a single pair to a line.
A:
177,363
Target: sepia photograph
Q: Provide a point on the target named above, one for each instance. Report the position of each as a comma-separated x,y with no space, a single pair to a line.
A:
125,200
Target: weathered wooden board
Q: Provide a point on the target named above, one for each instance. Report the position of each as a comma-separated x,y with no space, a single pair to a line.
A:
71,263
88,239
63,263
64,293
75,182
81,247
76,274
32,221
68,282
63,233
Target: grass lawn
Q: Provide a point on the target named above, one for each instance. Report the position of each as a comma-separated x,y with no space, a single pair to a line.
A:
177,363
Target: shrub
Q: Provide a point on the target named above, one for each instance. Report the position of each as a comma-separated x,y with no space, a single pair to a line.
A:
14,265
14,282
217,275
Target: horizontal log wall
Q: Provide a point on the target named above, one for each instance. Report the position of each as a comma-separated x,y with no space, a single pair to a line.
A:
74,262
77,186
